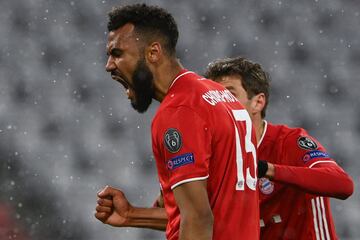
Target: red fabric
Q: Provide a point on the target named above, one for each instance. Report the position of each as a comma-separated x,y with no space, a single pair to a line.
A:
294,204
325,179
9,227
208,133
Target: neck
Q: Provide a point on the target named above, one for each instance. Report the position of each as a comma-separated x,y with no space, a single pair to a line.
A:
259,125
164,75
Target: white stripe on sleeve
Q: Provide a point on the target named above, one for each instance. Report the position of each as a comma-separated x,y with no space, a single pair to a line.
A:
188,180
314,163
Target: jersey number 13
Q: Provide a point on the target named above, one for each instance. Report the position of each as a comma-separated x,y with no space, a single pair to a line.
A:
243,116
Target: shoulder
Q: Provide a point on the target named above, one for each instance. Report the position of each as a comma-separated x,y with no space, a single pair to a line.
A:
279,133
293,139
181,117
300,138
284,133
298,147
173,111
195,93
276,139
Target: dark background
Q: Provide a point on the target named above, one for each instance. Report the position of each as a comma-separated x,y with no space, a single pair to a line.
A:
67,129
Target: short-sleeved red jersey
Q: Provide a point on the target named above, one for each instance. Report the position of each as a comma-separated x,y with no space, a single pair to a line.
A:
286,211
201,131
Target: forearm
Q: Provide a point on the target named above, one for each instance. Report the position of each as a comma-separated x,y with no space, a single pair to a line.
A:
196,227
329,181
154,218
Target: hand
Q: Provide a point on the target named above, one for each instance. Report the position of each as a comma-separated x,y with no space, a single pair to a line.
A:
113,207
262,168
270,173
265,169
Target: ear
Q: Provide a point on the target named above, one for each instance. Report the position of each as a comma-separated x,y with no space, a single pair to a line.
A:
257,103
154,52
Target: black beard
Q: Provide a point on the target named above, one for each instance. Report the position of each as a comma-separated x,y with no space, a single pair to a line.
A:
143,87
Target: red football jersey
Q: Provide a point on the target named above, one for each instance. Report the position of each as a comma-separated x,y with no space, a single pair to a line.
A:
201,131
286,210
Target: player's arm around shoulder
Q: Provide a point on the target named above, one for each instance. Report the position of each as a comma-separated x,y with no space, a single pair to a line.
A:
195,211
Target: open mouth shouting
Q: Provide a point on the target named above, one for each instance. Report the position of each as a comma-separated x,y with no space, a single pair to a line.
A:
123,82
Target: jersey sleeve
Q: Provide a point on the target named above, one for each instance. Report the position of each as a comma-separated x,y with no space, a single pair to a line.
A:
182,141
301,149
307,165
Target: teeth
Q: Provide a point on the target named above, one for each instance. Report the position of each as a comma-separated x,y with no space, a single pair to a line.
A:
116,77
120,80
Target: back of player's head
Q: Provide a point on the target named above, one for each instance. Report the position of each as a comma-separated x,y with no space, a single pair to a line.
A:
253,78
152,22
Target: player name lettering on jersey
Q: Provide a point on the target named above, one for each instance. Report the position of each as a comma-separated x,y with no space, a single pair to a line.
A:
213,97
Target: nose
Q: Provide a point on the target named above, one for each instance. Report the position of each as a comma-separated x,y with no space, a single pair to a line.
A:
110,64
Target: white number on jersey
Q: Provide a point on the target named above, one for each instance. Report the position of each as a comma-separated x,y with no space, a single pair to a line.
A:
243,115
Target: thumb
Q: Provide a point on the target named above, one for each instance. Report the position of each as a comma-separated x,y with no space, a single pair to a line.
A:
108,191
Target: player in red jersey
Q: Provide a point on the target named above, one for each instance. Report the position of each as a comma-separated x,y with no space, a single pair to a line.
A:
299,174
203,140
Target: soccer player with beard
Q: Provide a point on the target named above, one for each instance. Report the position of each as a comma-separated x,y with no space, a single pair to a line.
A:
298,175
203,140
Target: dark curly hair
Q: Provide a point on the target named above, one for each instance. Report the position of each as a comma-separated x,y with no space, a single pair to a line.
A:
152,21
253,78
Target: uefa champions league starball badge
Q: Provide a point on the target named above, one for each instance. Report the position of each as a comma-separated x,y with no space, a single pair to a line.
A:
307,143
172,140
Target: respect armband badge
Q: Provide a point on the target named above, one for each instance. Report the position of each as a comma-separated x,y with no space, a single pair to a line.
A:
314,154
178,161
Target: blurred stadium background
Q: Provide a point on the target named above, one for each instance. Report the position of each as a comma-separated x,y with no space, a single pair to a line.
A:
67,129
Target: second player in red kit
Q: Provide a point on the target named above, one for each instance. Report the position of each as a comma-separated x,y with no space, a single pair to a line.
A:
303,170
296,174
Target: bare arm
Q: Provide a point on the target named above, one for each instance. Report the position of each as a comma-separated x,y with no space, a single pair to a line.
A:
195,212
154,218
114,209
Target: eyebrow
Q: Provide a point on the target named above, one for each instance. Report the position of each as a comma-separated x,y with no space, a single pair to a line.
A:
230,88
114,51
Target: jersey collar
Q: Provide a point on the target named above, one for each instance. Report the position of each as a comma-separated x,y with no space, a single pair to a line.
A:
263,134
181,73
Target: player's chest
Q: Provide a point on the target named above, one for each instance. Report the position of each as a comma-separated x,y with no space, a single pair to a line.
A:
267,188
